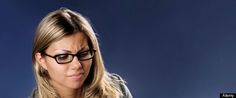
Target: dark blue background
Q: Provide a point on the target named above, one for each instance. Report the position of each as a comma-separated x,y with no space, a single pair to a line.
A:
162,48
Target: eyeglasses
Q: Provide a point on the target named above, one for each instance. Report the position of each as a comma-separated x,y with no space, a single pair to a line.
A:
67,58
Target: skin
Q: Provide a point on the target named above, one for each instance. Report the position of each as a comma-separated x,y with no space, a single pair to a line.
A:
67,78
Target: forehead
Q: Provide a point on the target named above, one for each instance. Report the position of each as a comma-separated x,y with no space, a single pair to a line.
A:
72,42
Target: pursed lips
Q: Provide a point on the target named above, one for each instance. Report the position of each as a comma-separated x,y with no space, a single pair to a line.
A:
77,76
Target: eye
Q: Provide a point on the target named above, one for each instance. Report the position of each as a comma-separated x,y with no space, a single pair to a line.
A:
63,57
84,54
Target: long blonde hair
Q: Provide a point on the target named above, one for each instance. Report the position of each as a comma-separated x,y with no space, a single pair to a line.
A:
53,27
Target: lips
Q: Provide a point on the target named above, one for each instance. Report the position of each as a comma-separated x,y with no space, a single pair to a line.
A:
77,76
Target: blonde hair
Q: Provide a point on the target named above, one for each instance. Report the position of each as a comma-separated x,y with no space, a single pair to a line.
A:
53,27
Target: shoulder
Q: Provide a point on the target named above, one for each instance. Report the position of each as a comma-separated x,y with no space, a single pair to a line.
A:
34,93
122,84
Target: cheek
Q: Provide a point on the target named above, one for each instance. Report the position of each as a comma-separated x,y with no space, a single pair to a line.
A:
55,70
87,66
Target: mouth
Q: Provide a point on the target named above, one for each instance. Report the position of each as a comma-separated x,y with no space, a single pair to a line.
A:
77,76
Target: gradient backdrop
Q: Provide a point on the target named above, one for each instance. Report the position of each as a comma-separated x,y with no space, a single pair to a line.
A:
162,48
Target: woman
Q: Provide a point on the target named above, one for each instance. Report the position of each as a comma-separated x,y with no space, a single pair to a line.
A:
67,61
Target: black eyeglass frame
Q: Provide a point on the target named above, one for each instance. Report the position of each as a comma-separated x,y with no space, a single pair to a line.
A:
92,51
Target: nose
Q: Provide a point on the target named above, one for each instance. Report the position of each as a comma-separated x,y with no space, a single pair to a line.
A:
76,64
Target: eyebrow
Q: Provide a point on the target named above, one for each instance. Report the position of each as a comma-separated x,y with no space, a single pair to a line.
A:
68,51
64,51
84,48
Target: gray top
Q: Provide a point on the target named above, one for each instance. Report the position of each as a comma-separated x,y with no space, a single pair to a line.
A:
115,77
123,87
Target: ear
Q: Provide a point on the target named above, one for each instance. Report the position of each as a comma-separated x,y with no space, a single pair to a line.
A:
41,60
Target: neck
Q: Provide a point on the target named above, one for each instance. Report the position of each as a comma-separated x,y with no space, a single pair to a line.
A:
70,93
67,92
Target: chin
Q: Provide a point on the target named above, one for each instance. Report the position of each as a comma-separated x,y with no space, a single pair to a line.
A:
75,85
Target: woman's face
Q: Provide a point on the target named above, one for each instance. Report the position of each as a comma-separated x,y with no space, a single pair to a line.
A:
70,75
